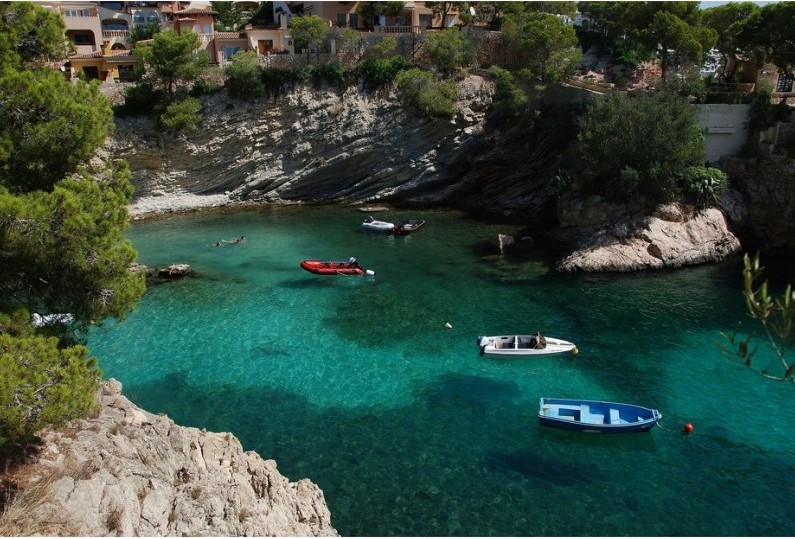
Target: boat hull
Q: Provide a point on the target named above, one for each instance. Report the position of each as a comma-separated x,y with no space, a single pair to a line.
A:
407,227
324,267
522,346
378,226
600,417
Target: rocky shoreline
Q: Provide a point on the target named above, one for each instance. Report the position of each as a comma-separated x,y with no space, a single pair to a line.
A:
127,472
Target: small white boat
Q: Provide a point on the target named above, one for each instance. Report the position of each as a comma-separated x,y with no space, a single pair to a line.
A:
376,225
524,345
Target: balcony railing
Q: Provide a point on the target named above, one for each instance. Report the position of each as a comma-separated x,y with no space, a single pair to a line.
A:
116,33
399,29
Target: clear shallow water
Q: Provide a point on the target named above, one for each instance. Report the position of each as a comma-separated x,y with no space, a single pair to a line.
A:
356,383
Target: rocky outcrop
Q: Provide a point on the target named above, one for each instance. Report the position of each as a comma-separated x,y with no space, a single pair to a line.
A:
128,472
175,271
768,189
605,239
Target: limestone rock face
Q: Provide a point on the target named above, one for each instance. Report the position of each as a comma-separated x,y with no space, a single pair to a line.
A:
328,146
768,189
128,472
672,237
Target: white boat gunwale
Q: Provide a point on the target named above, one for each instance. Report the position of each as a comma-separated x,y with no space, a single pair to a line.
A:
523,345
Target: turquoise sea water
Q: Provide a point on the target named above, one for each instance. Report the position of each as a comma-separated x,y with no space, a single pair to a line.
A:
356,383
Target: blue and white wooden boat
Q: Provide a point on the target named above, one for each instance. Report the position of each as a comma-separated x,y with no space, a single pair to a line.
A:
596,416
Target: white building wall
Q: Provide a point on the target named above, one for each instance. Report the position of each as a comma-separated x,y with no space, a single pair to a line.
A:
724,127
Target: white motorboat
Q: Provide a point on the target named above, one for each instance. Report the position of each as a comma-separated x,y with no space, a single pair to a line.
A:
376,225
524,345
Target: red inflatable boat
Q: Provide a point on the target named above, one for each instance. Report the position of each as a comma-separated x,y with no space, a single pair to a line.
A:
325,267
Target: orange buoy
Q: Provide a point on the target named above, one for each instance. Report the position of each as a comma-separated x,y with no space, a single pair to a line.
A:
688,428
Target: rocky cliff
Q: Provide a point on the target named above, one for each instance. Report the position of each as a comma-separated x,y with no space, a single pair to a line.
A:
326,146
127,472
356,147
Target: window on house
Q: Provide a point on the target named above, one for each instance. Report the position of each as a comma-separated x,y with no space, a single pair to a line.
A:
230,50
341,20
151,16
126,73
115,6
207,29
354,18
426,21
114,25
77,13
91,72
85,38
139,18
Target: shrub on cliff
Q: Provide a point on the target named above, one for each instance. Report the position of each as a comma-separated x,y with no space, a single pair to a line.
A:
380,72
449,49
244,75
182,115
633,148
702,184
429,97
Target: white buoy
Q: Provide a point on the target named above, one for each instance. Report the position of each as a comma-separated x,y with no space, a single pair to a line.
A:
448,325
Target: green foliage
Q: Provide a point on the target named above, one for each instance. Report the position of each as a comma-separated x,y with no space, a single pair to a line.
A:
331,73
727,22
632,148
245,75
509,98
30,34
182,115
308,31
689,85
139,98
449,49
763,114
634,30
62,245
767,32
377,9
429,97
47,126
276,79
380,72
544,45
64,250
230,16
173,59
385,48
776,316
703,184
41,384
144,32
349,43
